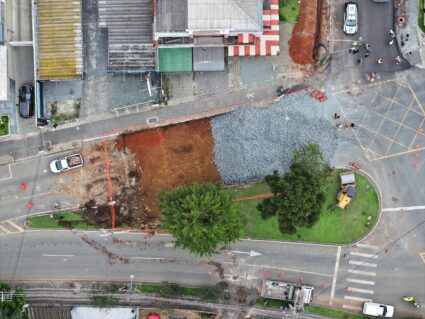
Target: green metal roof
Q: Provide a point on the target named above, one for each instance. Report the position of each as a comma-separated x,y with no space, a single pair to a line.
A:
175,59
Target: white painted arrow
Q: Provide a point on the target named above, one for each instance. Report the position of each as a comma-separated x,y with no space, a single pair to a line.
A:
250,253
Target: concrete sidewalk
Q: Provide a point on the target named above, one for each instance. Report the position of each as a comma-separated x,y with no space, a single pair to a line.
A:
411,40
47,141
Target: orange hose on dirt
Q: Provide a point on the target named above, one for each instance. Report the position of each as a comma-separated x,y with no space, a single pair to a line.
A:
109,182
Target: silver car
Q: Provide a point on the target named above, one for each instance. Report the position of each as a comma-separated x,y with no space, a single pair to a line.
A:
351,20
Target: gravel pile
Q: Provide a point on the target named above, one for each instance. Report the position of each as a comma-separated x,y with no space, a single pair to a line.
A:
251,142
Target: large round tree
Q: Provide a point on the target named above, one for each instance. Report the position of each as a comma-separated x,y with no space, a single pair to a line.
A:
200,217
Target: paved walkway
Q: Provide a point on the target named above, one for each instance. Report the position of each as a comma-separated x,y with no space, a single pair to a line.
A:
411,39
47,140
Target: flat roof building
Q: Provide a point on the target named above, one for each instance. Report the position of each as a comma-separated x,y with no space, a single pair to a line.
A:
214,29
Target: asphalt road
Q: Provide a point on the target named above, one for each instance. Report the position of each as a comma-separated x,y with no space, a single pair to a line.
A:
375,21
104,256
41,188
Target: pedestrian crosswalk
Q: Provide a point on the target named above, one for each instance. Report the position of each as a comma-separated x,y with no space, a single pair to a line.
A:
362,267
12,226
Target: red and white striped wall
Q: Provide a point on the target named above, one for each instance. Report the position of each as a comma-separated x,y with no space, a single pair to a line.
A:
266,44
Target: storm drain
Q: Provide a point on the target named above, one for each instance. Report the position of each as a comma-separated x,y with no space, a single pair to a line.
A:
152,120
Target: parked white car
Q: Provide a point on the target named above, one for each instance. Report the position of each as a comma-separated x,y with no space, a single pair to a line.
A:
378,310
66,163
351,19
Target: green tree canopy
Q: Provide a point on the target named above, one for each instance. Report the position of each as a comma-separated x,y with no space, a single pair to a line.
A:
12,308
200,217
297,196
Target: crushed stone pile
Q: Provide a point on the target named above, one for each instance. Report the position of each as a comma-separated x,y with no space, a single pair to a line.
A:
251,142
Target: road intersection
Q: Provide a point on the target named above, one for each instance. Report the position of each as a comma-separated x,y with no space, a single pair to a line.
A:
388,263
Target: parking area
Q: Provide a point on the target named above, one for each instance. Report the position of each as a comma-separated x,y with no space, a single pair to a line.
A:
389,118
375,20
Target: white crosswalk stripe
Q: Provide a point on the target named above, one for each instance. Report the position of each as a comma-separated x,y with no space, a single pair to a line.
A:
355,253
357,299
363,291
359,281
360,272
361,263
359,260
367,246
350,307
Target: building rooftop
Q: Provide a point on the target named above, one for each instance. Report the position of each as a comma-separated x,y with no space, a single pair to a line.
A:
129,24
234,15
45,312
171,15
60,40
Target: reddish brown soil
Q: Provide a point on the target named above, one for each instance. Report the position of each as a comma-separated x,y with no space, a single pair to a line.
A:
301,44
265,195
170,157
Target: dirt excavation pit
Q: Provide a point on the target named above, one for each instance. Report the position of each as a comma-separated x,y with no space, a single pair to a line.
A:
169,157
90,186
302,43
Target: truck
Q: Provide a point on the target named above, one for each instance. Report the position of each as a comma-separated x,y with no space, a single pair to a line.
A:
348,189
66,163
297,294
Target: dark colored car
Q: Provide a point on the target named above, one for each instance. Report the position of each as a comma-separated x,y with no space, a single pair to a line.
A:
26,101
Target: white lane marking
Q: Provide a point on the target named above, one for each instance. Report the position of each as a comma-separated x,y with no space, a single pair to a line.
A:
366,273
17,227
363,291
49,255
250,253
367,246
148,258
357,299
338,254
37,195
100,137
10,174
359,281
354,253
352,307
361,263
279,268
399,209
5,230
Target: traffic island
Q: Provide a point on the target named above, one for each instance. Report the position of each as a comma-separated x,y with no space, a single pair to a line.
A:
335,225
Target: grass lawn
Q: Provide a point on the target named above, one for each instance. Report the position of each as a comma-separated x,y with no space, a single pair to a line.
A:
421,16
273,303
337,226
4,125
333,313
289,10
62,220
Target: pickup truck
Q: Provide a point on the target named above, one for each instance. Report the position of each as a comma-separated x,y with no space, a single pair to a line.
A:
66,163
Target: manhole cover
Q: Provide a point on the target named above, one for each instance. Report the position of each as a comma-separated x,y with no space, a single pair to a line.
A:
152,120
